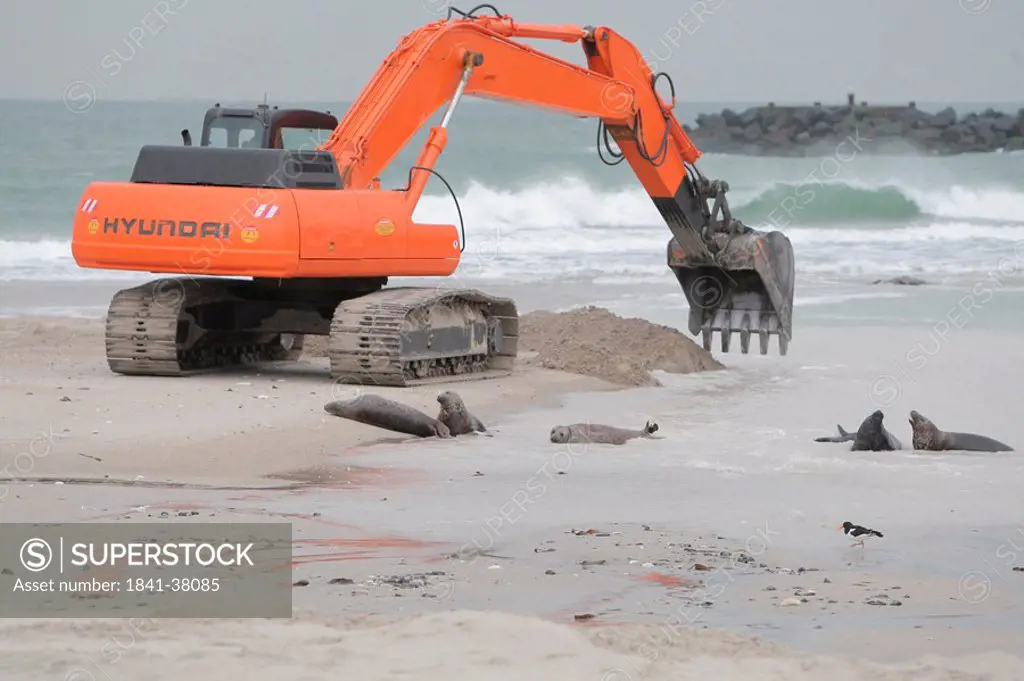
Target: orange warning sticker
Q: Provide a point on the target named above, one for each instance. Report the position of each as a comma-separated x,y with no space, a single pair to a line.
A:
384,227
250,234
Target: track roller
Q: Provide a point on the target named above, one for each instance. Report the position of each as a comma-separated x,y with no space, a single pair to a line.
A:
154,330
413,336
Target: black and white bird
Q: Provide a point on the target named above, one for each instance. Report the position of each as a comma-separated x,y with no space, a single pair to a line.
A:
858,532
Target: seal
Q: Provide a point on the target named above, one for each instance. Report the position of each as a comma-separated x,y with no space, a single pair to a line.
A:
889,442
456,417
599,434
873,437
928,438
375,410
902,281
844,436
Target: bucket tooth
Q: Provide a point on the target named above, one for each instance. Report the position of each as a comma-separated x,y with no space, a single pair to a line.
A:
745,333
726,330
774,328
762,333
707,335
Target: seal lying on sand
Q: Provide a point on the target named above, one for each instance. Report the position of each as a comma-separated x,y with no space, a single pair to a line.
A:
928,438
455,416
870,437
599,434
375,410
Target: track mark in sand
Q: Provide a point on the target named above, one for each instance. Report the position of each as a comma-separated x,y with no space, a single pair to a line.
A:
190,508
153,484
320,477
361,549
373,542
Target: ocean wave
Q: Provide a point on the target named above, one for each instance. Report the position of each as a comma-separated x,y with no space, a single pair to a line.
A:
563,203
933,233
796,203
49,259
14,253
569,227
572,202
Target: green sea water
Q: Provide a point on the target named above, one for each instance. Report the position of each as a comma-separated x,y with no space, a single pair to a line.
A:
540,206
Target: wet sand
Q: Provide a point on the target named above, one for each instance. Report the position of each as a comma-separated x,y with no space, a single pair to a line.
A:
726,522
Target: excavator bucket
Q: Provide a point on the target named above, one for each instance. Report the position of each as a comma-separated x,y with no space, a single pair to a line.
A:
742,280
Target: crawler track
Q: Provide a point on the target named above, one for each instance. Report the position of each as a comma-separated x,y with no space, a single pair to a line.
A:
150,331
414,336
179,326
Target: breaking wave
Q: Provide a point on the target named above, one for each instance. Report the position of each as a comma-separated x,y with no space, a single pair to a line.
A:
571,202
843,202
569,225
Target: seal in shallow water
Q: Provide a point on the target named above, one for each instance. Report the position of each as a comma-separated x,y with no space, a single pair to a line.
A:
454,414
844,436
891,443
375,410
599,434
873,437
928,438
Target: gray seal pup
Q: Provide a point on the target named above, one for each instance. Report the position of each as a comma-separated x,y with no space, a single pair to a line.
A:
599,434
455,416
928,438
869,440
374,410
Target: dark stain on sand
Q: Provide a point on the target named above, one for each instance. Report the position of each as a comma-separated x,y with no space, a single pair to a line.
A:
348,477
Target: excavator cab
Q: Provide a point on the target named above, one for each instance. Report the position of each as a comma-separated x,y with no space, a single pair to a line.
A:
263,127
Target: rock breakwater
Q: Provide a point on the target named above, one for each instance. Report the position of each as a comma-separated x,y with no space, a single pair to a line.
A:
815,130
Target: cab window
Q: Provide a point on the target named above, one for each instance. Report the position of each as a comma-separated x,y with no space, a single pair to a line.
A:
236,132
249,138
218,137
304,138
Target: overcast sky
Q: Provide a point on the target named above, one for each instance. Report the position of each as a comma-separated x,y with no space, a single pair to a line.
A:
302,50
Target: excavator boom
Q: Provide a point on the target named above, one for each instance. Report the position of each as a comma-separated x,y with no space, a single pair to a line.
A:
319,238
734,278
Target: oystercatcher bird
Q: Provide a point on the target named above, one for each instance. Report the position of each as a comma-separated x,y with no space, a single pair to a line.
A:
858,532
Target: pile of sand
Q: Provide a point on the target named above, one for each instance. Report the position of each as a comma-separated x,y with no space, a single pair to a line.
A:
594,342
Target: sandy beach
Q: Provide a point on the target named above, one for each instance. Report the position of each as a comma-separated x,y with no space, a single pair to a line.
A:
591,163
710,550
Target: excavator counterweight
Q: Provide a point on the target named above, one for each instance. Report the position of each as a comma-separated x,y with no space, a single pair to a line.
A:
275,226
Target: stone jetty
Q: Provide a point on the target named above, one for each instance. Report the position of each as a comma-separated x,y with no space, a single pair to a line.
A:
816,130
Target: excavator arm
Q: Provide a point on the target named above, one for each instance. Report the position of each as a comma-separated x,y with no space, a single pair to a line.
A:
422,74
734,278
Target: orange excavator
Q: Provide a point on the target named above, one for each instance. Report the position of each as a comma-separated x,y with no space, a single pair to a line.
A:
270,238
